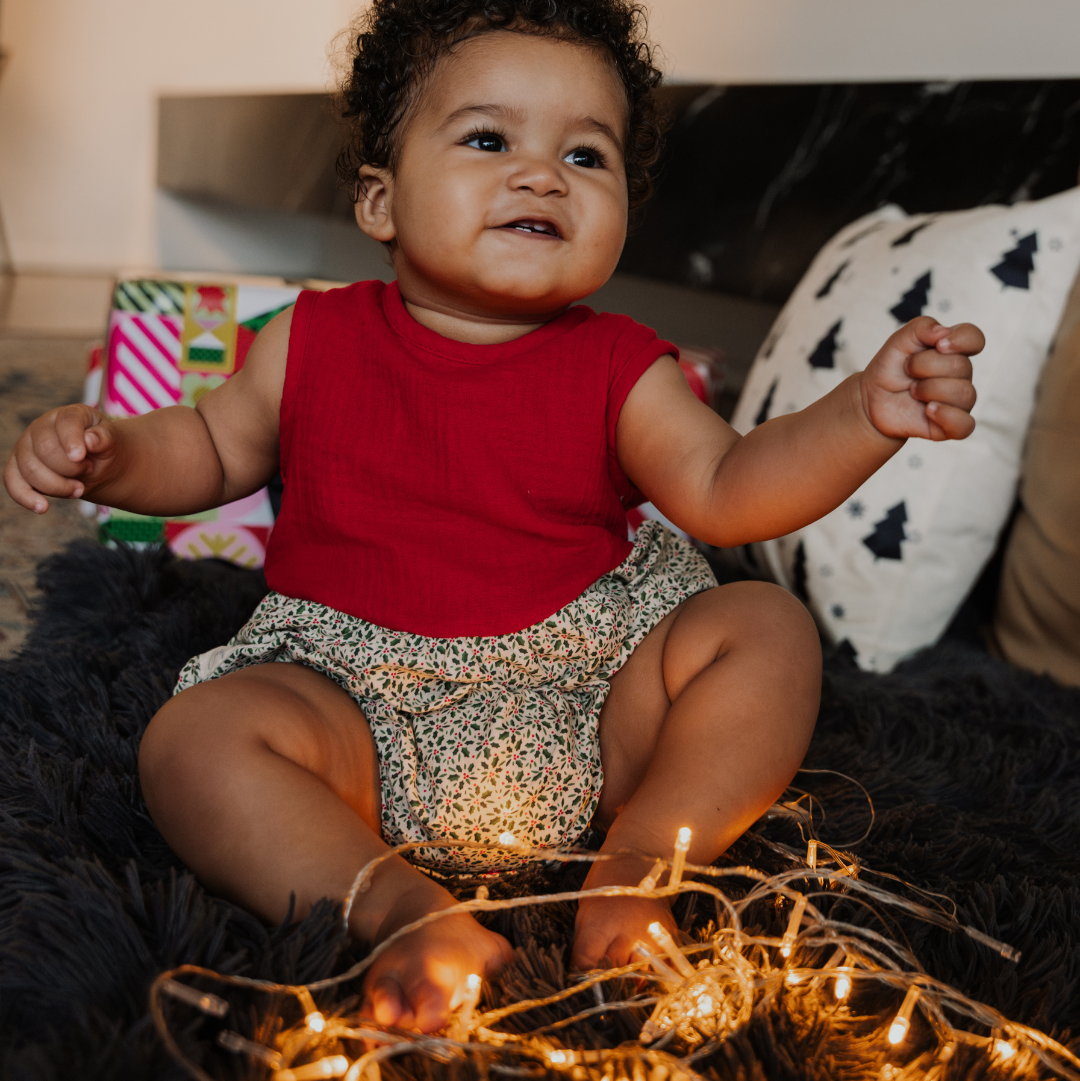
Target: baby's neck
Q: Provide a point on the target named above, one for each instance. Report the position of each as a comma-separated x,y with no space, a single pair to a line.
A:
475,328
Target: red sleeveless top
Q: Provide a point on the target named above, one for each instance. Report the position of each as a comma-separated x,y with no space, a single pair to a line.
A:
443,488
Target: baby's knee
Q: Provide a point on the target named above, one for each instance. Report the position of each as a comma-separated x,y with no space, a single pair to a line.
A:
760,612
782,613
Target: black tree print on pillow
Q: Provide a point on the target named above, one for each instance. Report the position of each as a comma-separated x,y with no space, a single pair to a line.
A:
884,542
862,234
1018,264
766,405
824,354
831,280
909,236
913,301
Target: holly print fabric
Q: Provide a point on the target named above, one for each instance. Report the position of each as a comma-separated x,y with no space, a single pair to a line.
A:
481,736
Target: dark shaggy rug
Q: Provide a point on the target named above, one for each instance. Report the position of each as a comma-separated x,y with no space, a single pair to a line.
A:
971,764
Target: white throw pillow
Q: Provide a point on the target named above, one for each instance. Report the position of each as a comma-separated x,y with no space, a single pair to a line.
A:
887,570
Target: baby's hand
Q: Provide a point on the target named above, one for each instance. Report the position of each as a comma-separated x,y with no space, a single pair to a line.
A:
60,454
919,384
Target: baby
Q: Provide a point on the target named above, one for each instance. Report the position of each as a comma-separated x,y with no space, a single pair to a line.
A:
466,644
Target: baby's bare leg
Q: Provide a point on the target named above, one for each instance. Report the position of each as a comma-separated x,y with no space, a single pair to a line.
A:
266,782
704,726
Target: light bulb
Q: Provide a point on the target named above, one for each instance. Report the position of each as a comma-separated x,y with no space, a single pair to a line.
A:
312,1017
842,987
787,943
650,880
678,860
902,1022
1004,1048
898,1030
464,1000
204,1001
559,1058
661,937
508,839
332,1066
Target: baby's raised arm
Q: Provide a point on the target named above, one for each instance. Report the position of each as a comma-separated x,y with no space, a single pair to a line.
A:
794,469
170,462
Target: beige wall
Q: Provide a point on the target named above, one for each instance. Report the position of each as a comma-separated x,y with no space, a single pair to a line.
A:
77,100
78,106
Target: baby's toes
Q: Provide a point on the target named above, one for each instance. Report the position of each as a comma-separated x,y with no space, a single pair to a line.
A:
430,1005
386,1002
592,944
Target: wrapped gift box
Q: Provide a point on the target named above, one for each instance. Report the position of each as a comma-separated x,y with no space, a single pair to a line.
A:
168,343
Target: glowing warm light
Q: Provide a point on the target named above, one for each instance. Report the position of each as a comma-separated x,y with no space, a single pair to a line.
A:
331,1066
902,1021
792,979
811,854
667,944
464,1000
678,861
705,1005
898,1030
842,987
558,1058
1004,1048
658,966
315,1021
507,838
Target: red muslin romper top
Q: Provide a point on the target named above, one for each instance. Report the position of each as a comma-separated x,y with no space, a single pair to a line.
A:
443,488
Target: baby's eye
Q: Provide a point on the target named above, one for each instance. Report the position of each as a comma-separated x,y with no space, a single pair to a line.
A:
487,140
587,159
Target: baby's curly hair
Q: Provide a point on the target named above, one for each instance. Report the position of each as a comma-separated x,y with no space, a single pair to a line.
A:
397,43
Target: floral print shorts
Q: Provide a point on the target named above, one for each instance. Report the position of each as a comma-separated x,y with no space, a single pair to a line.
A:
478,737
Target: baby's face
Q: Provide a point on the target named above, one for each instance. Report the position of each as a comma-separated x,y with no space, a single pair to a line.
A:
509,197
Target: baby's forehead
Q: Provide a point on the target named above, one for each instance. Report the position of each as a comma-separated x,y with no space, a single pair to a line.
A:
522,74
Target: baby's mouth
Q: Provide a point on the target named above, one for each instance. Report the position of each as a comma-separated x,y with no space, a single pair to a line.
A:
532,225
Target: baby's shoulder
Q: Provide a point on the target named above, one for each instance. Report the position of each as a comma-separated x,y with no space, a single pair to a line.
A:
615,328
621,343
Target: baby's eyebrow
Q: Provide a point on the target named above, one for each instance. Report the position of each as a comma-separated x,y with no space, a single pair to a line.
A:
501,112
590,123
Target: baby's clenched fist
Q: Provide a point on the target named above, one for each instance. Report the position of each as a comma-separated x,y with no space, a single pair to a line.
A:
60,454
919,384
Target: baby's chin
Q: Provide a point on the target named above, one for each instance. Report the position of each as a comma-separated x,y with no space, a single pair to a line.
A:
511,294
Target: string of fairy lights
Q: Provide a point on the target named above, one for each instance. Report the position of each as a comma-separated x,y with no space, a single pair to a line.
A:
691,997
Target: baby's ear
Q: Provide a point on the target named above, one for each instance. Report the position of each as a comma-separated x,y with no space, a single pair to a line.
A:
374,189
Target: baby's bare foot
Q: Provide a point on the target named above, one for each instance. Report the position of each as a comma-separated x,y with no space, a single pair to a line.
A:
412,983
608,928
